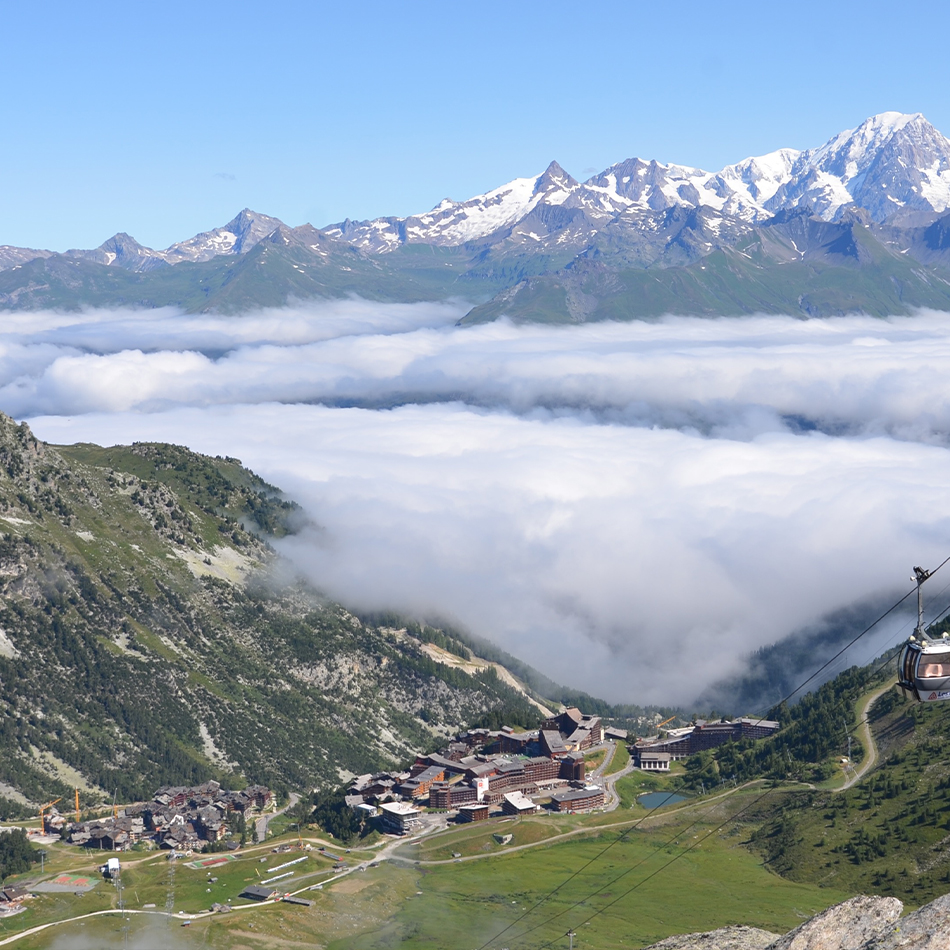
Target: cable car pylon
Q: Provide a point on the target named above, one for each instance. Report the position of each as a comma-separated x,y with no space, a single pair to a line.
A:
924,667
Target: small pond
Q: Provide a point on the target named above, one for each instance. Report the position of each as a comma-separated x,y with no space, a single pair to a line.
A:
656,799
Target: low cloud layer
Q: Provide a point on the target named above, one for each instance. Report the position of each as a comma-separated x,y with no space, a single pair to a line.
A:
636,562
728,377
630,507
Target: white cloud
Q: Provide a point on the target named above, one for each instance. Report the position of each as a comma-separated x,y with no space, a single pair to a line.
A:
630,507
638,563
732,377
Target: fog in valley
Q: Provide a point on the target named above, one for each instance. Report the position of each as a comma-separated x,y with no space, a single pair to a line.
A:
632,508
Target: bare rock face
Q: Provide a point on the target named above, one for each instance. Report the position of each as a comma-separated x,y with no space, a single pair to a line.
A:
924,929
862,923
847,926
726,938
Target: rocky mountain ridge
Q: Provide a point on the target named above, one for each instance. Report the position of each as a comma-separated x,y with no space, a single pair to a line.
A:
860,223
891,164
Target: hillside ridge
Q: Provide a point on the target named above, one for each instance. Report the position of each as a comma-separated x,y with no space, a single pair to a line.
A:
152,635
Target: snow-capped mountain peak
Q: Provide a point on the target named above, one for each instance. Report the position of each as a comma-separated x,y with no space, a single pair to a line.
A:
554,181
890,163
239,235
761,176
895,166
852,146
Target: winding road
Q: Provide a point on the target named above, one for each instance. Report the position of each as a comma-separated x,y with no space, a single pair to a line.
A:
864,730
609,781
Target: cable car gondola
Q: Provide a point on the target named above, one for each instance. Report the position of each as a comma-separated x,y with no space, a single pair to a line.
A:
924,666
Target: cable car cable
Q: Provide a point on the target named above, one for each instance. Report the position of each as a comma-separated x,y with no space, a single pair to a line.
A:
679,834
650,876
634,826
732,817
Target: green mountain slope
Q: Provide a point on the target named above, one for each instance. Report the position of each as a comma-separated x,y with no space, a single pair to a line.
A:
281,268
642,265
856,273
150,635
886,832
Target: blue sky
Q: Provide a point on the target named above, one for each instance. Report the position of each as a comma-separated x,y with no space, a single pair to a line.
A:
164,119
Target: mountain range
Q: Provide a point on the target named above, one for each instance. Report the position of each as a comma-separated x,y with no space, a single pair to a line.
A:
861,223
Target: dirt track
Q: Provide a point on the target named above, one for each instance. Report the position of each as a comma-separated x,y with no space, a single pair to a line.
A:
864,730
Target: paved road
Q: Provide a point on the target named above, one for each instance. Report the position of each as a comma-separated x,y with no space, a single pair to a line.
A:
610,793
611,749
265,820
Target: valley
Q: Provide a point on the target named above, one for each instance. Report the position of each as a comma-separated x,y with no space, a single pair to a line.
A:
766,853
461,468
151,638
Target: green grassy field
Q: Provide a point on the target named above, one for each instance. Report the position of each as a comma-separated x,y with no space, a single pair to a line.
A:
720,882
478,839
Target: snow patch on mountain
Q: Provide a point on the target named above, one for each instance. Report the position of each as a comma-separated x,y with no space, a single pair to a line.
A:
892,165
890,162
236,237
11,256
451,223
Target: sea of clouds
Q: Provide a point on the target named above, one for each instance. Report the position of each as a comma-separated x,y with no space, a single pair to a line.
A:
630,507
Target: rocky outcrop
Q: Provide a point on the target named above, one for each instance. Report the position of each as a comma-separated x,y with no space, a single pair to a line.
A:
847,926
924,929
726,938
862,923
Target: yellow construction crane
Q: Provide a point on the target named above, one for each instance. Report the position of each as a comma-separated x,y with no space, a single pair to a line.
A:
665,721
43,808
77,806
